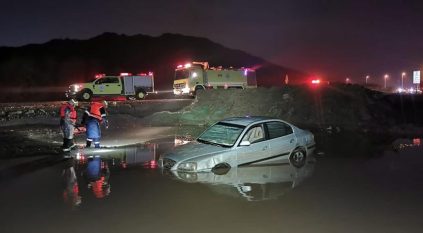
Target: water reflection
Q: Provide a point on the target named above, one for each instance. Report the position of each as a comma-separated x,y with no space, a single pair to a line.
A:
253,183
97,174
71,189
87,172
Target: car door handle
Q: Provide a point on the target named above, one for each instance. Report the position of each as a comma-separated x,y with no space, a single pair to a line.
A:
264,148
292,140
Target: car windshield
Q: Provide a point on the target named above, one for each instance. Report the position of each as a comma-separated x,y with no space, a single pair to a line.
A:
221,134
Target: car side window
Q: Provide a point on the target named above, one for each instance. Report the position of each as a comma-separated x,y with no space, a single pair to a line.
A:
99,81
254,134
113,80
278,129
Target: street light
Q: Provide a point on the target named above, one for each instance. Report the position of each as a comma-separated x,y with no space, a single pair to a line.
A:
367,77
402,79
386,78
347,80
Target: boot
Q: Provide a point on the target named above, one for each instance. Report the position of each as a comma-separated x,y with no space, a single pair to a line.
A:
64,143
88,144
71,144
67,145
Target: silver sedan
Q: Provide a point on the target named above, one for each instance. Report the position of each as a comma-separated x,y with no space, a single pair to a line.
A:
241,141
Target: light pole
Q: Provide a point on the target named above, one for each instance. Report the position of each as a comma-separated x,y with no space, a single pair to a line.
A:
402,80
385,78
367,78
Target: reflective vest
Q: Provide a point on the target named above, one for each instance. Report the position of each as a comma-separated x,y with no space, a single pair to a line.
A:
72,111
95,111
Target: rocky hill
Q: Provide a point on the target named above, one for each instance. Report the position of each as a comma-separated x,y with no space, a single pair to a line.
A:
63,61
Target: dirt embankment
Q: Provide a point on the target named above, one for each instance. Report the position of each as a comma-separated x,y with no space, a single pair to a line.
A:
347,107
48,112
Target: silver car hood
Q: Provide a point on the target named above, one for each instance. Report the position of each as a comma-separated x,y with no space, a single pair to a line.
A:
194,150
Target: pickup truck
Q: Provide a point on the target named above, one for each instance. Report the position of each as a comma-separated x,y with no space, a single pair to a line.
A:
130,86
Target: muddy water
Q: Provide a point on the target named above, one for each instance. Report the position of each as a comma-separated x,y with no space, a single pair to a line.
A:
122,190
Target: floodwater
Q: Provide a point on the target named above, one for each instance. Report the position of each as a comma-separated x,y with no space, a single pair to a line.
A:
122,190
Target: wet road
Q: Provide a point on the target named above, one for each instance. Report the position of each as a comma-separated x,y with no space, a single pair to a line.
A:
122,190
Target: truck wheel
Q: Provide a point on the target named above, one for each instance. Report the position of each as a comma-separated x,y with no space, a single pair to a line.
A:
86,95
198,88
140,95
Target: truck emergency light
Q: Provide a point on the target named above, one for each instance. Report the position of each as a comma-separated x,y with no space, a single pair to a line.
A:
125,74
99,75
188,65
315,81
150,73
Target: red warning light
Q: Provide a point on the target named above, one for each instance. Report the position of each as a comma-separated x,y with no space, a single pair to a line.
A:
99,75
315,81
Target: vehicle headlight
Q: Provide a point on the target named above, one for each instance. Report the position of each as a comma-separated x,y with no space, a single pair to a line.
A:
186,88
189,166
74,88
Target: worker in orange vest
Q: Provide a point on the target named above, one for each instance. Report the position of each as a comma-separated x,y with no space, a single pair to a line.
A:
68,119
94,116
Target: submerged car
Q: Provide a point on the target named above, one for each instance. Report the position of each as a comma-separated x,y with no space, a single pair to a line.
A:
239,141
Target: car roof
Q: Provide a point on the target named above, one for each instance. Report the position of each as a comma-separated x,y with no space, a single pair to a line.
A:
247,120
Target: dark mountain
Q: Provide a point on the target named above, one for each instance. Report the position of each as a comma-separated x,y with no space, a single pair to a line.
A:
65,61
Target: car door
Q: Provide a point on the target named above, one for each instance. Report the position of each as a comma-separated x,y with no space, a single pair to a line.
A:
258,150
107,86
282,139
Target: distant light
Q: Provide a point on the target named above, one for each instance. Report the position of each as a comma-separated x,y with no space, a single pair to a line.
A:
179,66
315,81
150,73
188,65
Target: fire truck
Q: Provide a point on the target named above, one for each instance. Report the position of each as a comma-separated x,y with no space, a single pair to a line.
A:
125,84
191,77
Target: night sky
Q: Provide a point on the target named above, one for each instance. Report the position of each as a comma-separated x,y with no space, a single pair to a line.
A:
334,39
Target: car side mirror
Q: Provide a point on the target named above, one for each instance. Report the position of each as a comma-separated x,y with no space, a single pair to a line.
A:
245,143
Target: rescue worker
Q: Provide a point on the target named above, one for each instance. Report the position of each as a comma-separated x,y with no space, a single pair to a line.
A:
67,123
94,116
